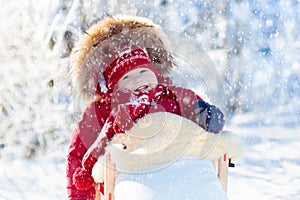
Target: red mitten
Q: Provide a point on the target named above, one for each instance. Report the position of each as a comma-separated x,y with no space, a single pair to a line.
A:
83,179
123,121
120,96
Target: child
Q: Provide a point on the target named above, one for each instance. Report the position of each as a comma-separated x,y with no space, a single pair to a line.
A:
124,69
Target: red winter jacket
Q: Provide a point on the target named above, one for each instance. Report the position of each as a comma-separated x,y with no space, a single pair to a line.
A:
81,156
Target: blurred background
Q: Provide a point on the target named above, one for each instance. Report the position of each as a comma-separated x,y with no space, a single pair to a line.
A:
254,45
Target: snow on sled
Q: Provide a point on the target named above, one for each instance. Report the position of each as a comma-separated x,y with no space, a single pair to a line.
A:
159,140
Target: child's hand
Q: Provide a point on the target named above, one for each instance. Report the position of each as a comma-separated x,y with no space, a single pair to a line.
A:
215,119
209,117
83,179
123,121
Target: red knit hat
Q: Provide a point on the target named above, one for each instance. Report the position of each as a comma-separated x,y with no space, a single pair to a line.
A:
131,58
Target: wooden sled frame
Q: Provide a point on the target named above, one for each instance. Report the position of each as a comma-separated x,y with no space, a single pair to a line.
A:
222,165
109,180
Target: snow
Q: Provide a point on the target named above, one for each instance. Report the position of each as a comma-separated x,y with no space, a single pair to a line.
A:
41,178
269,168
173,186
262,83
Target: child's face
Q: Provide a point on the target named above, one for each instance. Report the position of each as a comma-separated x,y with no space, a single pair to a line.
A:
140,79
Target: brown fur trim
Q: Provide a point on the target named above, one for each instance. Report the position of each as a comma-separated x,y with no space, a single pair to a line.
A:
103,40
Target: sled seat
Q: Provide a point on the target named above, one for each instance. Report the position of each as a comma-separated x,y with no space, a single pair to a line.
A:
161,138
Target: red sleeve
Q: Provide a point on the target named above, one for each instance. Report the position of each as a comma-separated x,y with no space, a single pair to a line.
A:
82,137
186,99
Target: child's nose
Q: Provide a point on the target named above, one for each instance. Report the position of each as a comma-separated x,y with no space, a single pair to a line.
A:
137,80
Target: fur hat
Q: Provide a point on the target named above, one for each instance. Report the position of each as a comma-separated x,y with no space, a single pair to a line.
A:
104,42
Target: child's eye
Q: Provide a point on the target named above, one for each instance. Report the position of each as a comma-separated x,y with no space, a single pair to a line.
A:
125,77
143,71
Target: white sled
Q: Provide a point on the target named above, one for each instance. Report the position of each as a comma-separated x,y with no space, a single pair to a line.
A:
161,138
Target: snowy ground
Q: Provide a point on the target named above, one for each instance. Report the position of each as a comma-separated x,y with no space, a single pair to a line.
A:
41,178
33,108
268,170
270,166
